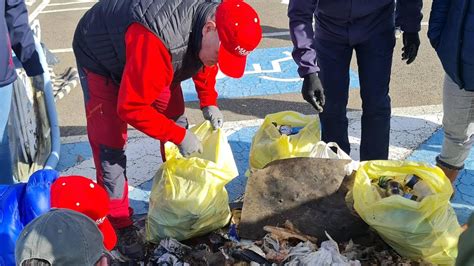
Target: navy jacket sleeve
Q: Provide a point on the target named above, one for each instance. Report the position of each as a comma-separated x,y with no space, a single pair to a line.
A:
21,36
438,16
408,15
300,13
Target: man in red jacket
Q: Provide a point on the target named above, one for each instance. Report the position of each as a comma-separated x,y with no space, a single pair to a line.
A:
132,56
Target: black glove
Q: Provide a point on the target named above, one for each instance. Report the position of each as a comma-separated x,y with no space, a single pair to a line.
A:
411,43
313,92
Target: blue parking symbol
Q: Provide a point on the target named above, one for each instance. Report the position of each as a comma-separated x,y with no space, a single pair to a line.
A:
268,71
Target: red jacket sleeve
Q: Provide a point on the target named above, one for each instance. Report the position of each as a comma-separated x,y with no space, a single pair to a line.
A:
205,81
147,71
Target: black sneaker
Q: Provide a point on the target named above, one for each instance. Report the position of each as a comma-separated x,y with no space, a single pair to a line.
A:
130,243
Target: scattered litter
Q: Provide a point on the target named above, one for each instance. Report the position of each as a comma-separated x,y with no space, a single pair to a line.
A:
328,254
249,255
64,82
233,233
287,233
234,225
283,245
175,247
170,259
79,159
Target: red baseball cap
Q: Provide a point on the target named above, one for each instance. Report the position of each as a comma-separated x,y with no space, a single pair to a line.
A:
83,195
238,26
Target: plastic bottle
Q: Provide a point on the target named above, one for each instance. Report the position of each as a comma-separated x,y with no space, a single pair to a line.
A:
394,188
418,187
391,186
287,130
383,181
410,196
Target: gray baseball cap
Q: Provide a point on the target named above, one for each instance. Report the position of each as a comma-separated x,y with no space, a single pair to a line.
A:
61,237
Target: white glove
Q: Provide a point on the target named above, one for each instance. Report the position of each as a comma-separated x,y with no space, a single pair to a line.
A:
214,115
190,144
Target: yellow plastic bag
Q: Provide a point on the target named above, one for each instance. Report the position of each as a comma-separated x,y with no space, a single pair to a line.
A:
188,196
269,145
428,229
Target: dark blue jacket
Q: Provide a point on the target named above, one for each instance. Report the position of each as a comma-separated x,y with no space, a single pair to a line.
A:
345,21
15,33
451,33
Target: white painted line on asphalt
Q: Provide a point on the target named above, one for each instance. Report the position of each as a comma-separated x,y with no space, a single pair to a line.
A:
230,125
73,3
65,10
64,50
40,8
30,2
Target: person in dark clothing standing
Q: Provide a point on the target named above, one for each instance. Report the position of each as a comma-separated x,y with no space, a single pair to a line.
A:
132,56
323,56
16,34
451,33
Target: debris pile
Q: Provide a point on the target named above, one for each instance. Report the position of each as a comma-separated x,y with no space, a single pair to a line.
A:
284,245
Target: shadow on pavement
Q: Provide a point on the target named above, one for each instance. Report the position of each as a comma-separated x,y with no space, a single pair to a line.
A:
268,30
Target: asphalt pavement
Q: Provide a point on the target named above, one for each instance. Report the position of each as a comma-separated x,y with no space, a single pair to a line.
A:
418,84
269,85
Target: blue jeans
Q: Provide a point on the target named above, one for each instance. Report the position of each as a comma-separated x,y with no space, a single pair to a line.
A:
374,59
6,175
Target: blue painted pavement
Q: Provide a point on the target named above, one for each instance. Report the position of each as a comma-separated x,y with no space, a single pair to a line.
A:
268,71
240,141
463,201
70,153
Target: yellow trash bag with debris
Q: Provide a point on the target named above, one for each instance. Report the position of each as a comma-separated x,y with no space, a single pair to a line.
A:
428,229
188,197
284,135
